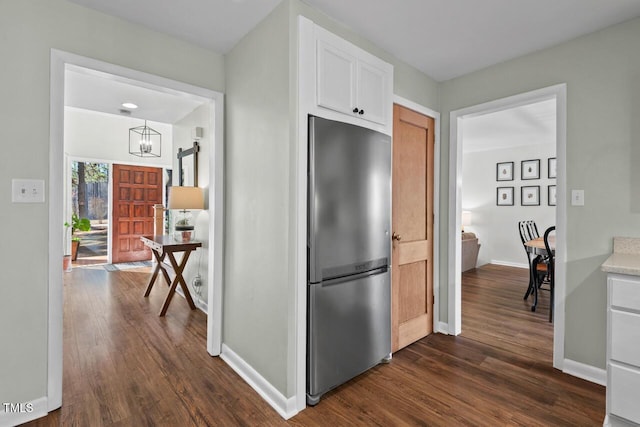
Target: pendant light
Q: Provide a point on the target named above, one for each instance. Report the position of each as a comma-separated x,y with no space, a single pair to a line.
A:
145,141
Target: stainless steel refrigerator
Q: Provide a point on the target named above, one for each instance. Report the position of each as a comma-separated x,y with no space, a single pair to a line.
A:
349,290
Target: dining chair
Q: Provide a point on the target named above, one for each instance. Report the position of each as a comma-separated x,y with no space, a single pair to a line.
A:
528,231
551,256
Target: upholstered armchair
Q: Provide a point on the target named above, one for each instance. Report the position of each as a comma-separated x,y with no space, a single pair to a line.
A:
470,249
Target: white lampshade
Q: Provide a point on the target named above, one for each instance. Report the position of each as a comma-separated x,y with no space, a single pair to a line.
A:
186,198
466,218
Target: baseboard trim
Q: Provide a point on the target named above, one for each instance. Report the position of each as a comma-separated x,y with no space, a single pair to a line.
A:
284,406
442,328
509,264
33,410
586,372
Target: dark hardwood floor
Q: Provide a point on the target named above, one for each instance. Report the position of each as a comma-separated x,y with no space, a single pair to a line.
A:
125,366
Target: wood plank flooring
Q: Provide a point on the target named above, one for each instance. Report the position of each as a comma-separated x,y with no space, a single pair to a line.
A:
125,366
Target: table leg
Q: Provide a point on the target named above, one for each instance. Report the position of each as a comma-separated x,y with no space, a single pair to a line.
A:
178,269
159,259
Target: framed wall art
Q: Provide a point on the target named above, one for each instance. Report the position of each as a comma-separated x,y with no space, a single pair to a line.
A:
530,195
551,195
551,167
504,171
530,169
504,196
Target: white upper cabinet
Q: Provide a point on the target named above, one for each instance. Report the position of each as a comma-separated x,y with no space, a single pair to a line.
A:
336,76
372,86
343,82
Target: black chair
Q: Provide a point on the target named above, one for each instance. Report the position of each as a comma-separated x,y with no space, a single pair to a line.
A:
544,266
528,231
551,257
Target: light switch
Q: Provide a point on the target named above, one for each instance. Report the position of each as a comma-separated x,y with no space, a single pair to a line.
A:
577,197
27,190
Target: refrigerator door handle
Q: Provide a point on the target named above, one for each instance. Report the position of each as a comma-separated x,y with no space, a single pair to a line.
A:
338,280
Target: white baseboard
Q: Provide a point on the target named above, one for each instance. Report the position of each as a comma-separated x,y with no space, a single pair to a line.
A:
28,411
441,328
586,372
509,264
284,406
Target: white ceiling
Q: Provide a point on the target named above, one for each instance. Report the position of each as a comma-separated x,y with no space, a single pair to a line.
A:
214,24
530,124
96,91
444,39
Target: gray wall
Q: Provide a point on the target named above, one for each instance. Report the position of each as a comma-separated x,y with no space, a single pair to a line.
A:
30,28
256,282
261,172
602,73
199,260
496,226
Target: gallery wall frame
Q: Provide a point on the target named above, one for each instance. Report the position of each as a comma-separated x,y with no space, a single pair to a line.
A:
530,169
530,195
551,195
551,167
504,196
504,171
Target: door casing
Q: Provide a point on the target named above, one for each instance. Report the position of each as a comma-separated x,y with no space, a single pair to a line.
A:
60,60
559,93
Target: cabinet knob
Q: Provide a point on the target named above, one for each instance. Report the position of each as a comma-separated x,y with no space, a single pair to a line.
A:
396,236
361,112
355,110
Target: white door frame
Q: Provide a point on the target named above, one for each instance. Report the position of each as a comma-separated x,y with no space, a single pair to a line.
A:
438,326
559,93
60,60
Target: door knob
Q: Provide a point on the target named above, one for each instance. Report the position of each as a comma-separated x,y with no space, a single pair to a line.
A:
396,236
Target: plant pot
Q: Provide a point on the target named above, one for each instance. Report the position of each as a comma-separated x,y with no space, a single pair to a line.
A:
75,244
66,263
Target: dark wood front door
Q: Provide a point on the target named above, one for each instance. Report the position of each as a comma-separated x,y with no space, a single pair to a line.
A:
136,189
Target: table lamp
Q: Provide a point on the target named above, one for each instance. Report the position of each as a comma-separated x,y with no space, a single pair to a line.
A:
185,199
466,219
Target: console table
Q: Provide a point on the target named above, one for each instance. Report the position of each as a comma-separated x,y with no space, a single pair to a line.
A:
165,246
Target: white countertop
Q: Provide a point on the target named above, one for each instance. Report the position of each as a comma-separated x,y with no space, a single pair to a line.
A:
625,258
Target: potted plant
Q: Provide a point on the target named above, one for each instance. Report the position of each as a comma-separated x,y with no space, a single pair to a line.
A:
77,224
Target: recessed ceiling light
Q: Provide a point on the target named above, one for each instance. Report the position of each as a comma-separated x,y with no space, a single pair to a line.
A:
129,105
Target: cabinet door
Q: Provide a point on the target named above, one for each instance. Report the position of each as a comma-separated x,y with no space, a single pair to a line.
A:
335,78
371,92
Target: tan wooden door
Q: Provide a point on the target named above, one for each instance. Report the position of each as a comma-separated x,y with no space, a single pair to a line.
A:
412,219
135,190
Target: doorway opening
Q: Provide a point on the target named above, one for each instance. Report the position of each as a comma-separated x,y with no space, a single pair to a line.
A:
62,63
90,201
506,179
556,94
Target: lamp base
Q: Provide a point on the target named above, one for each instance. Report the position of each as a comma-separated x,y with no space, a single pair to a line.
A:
183,233
183,228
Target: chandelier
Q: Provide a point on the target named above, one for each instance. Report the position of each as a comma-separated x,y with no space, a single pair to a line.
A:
145,141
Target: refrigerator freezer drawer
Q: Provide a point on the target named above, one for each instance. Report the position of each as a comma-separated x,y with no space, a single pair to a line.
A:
349,330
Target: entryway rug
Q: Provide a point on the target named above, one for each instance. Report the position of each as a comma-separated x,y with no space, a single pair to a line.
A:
119,266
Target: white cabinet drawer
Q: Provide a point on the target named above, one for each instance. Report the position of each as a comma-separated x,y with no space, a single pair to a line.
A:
625,293
624,389
625,337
